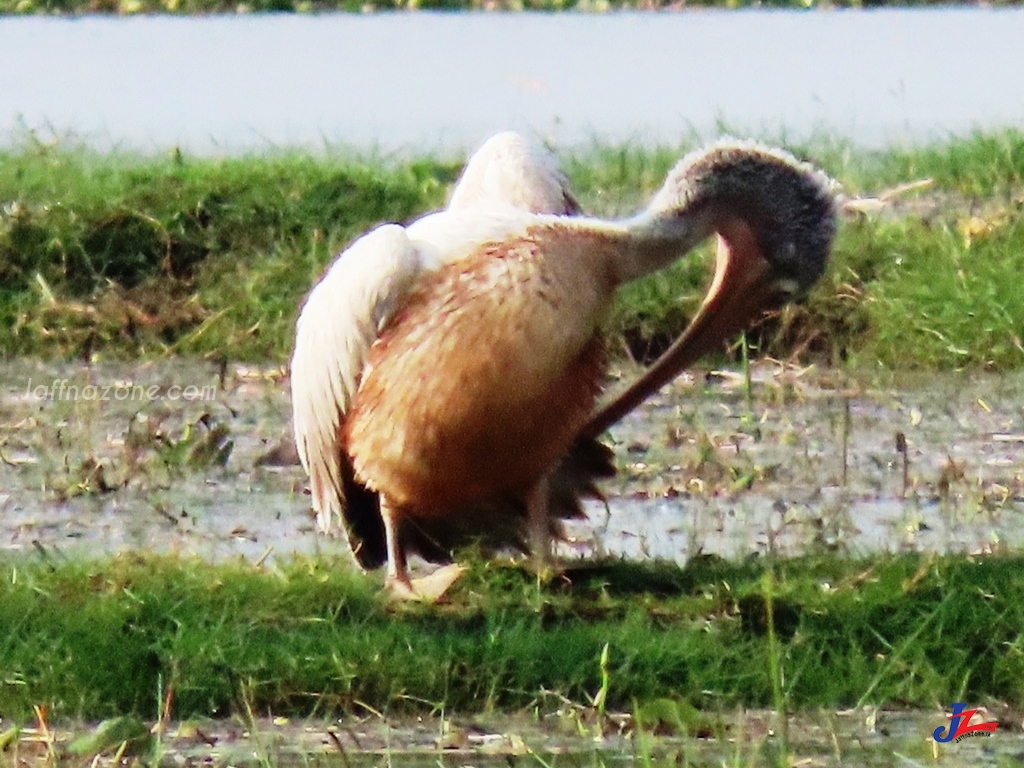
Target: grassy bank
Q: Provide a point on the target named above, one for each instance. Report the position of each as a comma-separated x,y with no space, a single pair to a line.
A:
119,256
95,640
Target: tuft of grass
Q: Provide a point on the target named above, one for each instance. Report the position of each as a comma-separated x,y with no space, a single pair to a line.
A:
981,165
122,256
951,302
129,255
96,639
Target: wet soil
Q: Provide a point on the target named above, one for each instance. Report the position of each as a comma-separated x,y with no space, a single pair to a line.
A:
865,737
109,457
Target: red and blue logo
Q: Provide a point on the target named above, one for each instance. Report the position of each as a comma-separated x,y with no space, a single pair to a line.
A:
959,725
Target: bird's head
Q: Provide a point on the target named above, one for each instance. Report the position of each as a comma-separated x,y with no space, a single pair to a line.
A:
775,219
760,200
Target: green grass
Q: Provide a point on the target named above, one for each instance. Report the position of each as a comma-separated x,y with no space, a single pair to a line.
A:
100,639
120,256
130,256
982,165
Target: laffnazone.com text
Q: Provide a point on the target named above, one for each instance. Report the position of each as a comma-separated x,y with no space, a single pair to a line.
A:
63,389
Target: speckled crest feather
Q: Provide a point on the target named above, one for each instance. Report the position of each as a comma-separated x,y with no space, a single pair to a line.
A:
790,203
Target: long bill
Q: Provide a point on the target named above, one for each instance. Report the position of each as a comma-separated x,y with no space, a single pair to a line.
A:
742,288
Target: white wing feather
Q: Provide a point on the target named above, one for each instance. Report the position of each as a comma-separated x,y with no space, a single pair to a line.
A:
344,313
341,318
511,170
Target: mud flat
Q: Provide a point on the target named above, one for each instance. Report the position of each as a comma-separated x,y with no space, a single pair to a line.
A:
809,459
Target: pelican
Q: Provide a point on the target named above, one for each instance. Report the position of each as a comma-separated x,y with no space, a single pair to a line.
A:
507,171
457,360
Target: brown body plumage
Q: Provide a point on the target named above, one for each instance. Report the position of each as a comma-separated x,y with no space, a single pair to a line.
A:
451,411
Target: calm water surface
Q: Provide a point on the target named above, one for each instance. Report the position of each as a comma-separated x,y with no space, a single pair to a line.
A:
431,81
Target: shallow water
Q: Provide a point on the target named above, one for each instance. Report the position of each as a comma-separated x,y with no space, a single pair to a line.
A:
443,81
862,737
701,469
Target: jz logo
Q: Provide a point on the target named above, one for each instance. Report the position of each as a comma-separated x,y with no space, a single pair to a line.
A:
959,727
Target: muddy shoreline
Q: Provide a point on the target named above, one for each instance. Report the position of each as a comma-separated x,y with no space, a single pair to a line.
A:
809,460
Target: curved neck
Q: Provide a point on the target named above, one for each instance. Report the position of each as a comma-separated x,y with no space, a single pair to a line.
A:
655,240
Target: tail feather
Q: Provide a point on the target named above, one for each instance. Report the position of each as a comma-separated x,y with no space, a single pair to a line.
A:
500,523
364,526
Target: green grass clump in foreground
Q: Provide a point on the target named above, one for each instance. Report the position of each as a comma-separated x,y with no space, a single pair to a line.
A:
98,639
115,255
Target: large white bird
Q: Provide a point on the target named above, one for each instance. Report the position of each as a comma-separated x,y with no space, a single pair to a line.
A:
456,361
343,314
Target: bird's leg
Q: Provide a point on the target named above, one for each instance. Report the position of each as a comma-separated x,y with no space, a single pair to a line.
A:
538,524
397,581
428,588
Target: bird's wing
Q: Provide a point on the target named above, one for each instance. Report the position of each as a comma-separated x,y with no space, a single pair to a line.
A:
342,316
510,169
340,319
